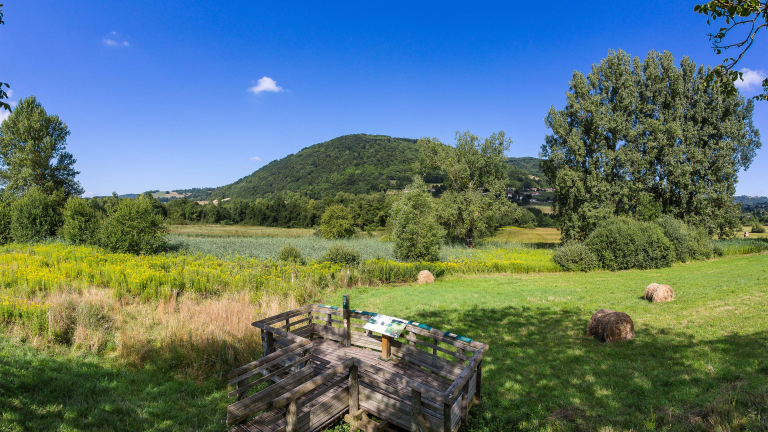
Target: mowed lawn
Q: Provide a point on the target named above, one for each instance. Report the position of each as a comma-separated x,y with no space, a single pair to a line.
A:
699,362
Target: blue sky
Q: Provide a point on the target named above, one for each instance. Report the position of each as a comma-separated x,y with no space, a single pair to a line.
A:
161,95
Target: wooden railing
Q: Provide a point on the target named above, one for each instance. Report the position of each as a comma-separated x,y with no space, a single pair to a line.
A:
287,340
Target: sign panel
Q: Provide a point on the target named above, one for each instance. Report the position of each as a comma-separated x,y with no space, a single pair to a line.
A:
386,325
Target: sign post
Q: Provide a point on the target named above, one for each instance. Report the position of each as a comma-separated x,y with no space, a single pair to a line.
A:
390,328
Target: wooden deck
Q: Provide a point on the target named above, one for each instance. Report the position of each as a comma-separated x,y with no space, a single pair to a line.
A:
323,371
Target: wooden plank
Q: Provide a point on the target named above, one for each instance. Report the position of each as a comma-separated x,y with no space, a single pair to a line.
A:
366,342
293,324
382,387
288,314
244,388
428,361
454,389
435,347
405,382
277,332
267,360
323,310
464,403
329,408
324,318
330,333
312,384
374,405
440,336
243,409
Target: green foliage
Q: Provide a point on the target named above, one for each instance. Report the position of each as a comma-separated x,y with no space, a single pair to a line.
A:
291,253
575,256
757,227
357,164
341,254
415,230
81,222
678,234
751,15
35,216
6,216
336,223
622,243
628,138
475,175
33,152
133,228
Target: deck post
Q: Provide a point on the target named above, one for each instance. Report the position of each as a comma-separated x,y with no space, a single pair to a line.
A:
354,398
458,360
464,403
291,417
347,326
386,347
447,417
478,383
270,343
415,410
434,350
288,324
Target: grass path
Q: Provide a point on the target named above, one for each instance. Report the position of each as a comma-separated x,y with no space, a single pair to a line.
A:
696,361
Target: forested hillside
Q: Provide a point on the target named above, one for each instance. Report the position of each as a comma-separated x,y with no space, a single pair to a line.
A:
355,164
524,172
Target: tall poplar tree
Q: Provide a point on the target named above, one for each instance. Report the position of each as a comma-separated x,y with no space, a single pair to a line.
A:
635,133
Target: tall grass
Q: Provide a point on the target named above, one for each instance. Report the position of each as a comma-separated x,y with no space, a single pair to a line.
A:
740,246
192,335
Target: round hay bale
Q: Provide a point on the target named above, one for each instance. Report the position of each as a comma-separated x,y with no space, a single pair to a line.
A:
611,326
659,293
425,276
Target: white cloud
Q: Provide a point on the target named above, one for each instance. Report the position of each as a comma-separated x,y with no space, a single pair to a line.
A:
750,78
255,158
114,40
265,84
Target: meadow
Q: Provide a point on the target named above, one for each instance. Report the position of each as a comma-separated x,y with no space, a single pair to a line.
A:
149,337
697,363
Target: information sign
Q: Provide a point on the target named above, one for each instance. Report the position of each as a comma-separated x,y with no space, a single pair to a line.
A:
386,325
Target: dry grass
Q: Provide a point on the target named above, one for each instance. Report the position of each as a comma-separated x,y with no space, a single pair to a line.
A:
748,228
191,335
237,231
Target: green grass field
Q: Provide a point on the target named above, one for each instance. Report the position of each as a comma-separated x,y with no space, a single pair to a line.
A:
699,362
542,237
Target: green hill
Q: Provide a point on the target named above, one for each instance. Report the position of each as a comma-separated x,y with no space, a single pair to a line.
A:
356,164
525,172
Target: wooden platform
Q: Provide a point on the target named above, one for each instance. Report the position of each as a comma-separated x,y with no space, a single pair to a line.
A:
325,369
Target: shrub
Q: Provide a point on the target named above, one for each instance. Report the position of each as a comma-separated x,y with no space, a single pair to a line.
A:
701,243
5,223
341,254
622,243
678,234
757,228
336,223
575,256
718,250
81,222
133,228
416,232
35,216
291,253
